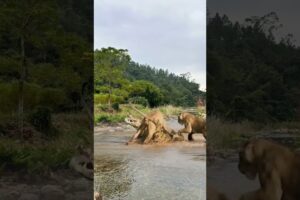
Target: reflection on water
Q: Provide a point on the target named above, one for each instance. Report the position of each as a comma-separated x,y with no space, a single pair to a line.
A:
148,172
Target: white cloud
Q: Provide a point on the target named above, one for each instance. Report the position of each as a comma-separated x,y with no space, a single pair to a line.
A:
169,34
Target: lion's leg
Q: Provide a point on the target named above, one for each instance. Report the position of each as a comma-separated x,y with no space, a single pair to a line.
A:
136,135
151,131
186,129
190,136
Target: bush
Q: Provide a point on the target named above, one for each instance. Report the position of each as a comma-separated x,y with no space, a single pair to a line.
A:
103,107
34,160
33,95
40,118
109,118
139,100
103,99
116,106
147,90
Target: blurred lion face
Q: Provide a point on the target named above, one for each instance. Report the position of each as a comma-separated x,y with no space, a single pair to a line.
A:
247,165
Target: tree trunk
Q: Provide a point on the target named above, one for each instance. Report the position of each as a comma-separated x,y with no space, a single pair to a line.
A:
21,88
109,95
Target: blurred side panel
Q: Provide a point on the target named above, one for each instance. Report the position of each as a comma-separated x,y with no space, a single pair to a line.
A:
253,93
46,85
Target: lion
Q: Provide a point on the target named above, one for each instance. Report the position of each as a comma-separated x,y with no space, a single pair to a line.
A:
192,124
150,124
276,166
134,122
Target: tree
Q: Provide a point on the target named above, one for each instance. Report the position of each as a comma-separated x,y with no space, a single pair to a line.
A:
109,68
247,79
25,23
147,90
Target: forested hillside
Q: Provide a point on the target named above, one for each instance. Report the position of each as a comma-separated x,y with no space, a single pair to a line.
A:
177,90
46,64
252,75
45,54
118,79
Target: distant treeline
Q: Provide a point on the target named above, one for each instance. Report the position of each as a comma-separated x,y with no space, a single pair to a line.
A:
118,79
251,74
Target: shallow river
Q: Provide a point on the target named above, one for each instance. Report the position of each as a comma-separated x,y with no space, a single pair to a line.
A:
149,172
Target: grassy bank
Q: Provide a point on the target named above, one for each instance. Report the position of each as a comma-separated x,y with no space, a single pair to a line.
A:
41,153
125,110
224,135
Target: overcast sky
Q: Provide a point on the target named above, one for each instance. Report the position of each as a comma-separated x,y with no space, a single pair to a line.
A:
238,10
168,34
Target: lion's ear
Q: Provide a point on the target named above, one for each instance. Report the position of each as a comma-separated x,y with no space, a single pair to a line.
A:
180,116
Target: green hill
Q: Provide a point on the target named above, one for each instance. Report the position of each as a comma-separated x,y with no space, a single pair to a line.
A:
122,80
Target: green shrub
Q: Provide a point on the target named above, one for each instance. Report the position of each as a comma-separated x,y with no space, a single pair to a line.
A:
40,118
33,95
116,106
139,100
33,160
103,99
103,107
147,90
109,118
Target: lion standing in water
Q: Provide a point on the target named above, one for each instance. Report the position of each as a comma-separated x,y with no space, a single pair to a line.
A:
192,124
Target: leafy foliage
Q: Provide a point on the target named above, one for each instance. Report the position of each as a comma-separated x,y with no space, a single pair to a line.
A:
56,53
109,67
139,100
118,79
45,59
175,90
40,118
251,75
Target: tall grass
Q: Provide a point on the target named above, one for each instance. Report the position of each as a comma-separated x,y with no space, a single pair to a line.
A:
42,154
170,110
224,135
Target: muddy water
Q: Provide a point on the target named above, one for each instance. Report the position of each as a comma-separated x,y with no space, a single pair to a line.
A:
148,172
226,178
